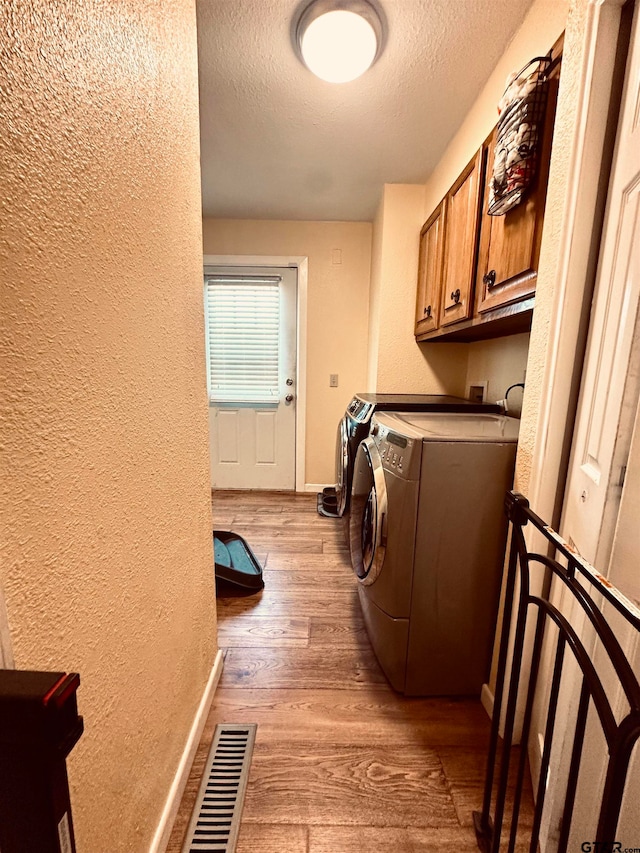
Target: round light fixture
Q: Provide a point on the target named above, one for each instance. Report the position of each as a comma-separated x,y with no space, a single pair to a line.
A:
339,40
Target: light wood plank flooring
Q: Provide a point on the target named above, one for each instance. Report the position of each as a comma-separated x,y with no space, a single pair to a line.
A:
342,763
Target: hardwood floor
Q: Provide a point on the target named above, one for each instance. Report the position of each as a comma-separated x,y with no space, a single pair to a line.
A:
342,763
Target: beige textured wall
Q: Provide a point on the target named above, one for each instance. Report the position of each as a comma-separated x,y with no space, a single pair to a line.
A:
106,533
401,365
548,273
501,362
550,279
395,360
539,30
375,288
337,313
502,358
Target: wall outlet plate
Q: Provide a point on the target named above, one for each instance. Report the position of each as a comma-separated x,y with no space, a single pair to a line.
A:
333,380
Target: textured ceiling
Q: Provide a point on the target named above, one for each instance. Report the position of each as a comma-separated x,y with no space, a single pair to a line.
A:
278,143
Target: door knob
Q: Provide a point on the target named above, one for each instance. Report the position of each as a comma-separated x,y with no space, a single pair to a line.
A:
289,381
288,398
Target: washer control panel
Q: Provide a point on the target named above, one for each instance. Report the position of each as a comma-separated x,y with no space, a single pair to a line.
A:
397,452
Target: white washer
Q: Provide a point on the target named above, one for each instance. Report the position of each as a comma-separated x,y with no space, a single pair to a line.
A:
427,535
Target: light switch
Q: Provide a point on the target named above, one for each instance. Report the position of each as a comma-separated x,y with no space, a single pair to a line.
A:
333,380
336,257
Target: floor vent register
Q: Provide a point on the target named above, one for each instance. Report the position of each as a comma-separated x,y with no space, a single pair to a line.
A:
215,821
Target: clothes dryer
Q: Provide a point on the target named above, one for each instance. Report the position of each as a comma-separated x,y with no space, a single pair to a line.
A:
354,426
427,538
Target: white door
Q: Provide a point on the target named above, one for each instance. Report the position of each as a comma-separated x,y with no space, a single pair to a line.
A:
251,369
609,392
625,557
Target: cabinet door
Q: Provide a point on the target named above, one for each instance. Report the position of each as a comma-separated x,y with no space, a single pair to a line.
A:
510,244
462,211
430,272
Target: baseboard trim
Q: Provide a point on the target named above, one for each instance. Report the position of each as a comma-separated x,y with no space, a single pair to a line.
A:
170,810
314,487
486,697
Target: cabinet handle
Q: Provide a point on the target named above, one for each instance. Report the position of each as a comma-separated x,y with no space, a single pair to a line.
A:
427,312
455,296
490,279
288,398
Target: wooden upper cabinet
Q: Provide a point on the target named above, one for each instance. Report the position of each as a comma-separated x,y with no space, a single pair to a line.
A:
510,244
477,273
462,211
430,272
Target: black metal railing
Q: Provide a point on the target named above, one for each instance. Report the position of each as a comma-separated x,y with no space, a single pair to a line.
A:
575,630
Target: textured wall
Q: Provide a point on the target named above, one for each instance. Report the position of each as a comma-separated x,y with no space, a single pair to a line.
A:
402,366
375,296
337,313
501,362
106,548
559,175
398,363
540,29
550,280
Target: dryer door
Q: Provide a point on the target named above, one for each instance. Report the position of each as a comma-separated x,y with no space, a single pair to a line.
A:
368,518
342,466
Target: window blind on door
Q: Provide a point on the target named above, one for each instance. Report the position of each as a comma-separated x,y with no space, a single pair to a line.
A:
243,333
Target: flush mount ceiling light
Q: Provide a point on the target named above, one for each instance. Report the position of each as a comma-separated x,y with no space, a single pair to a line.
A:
338,40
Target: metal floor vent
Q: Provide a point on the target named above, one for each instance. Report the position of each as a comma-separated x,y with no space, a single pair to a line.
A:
215,821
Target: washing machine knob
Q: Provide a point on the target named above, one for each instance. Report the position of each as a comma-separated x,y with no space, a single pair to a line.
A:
375,429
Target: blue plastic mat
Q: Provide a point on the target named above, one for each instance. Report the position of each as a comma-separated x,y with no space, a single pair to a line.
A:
235,562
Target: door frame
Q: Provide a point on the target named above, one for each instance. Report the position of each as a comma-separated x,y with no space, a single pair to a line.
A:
301,263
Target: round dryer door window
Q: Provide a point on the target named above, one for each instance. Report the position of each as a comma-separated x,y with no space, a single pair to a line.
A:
368,518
